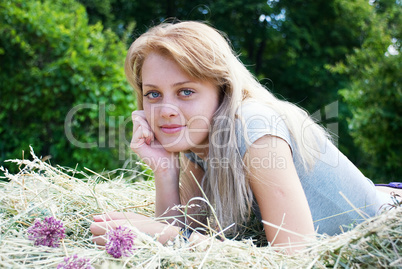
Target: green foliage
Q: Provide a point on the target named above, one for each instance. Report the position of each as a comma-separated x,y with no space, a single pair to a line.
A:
374,93
52,61
274,39
56,67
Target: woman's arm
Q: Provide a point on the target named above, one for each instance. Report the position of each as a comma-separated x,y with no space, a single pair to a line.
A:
166,232
147,225
277,188
165,165
190,182
166,193
170,193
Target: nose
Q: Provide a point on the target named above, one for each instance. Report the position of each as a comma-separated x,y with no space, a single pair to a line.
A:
169,111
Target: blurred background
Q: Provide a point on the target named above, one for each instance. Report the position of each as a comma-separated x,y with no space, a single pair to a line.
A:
63,90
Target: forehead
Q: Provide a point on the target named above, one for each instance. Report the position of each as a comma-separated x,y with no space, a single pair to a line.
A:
160,69
159,64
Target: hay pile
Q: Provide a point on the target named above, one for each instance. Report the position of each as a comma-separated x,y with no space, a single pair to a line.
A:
40,190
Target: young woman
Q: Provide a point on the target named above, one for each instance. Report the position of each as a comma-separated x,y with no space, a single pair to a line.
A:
209,129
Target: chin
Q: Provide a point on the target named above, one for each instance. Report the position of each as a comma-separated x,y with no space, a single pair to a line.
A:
181,145
176,148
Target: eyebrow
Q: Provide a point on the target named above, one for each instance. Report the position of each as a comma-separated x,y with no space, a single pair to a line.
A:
174,85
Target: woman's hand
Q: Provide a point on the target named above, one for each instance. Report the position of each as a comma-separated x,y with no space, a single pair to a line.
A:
164,164
105,222
148,148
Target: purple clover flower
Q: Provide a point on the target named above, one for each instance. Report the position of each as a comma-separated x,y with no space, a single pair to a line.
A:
47,232
120,242
74,262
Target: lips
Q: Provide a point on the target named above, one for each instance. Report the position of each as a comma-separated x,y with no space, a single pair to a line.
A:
172,128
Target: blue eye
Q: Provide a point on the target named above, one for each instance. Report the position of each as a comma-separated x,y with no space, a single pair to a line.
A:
186,92
152,95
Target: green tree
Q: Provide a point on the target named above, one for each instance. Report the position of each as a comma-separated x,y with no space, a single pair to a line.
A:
374,93
285,43
56,67
288,44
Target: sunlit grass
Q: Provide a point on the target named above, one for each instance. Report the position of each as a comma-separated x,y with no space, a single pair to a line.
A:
40,190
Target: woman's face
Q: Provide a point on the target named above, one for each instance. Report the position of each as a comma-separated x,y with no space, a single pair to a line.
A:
178,107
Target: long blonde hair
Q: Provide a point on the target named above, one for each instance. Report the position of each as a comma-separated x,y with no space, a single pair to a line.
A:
205,54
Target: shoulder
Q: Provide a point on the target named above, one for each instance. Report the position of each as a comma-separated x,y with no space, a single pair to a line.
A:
255,120
252,110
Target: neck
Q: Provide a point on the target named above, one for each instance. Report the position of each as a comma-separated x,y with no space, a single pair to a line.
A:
201,151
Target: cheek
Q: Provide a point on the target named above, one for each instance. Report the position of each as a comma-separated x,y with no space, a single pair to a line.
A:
202,114
200,122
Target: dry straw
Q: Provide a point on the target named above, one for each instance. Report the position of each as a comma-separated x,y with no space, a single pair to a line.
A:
40,190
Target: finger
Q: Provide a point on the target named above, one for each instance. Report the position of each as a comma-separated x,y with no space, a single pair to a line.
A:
138,113
99,228
140,136
114,216
139,121
138,117
138,139
99,240
147,134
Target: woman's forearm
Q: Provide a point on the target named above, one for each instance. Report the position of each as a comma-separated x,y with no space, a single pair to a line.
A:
163,232
167,193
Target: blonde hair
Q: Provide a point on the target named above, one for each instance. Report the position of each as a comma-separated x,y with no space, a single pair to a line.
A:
205,54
